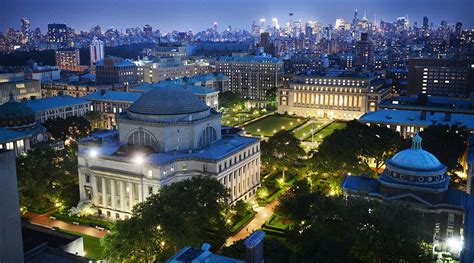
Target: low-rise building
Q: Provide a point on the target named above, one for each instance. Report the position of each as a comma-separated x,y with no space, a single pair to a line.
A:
170,68
57,107
22,89
334,95
410,122
166,136
75,88
110,103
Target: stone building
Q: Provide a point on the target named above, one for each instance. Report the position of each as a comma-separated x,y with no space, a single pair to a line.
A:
166,136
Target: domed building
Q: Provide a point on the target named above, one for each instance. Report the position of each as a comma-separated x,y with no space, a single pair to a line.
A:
416,177
166,136
19,130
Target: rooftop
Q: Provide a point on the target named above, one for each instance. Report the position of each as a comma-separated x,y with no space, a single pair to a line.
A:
228,145
196,90
413,118
432,103
117,96
249,59
53,102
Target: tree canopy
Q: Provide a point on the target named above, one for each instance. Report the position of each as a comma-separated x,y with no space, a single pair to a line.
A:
281,150
230,99
72,127
352,149
95,119
47,176
185,213
335,229
448,144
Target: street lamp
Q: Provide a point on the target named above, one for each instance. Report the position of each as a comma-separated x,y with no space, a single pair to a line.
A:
455,244
93,153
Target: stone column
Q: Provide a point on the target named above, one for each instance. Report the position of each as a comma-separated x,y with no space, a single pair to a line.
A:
122,196
112,193
104,192
131,195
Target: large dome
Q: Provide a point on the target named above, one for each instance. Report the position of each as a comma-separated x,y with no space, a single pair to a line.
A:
168,101
415,167
16,114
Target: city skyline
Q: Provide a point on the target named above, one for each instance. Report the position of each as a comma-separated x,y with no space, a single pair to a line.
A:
326,12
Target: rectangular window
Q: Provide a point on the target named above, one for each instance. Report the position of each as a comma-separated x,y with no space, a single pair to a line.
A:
150,190
9,145
88,179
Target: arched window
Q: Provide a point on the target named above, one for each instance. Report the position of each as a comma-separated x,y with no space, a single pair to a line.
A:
208,135
142,138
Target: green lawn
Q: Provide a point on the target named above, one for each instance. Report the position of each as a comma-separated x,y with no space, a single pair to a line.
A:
305,132
329,130
272,124
234,119
92,245
277,221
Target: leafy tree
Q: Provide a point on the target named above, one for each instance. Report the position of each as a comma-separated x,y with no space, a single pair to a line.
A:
230,99
72,127
186,213
333,229
281,151
95,119
448,144
350,150
46,176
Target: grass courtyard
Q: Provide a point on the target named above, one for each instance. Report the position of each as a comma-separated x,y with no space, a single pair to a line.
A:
92,245
305,132
272,124
234,119
318,137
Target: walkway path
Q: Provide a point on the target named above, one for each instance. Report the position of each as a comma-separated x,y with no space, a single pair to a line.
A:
44,220
262,215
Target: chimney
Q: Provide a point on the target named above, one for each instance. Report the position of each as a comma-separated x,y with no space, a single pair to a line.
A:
254,247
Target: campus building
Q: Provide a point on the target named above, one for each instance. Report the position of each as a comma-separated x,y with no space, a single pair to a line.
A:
416,177
22,89
110,103
252,76
334,95
115,70
166,136
57,107
170,68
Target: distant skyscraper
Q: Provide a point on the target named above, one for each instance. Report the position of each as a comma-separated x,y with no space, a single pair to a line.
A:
426,24
69,60
96,50
25,30
458,28
57,33
364,51
215,27
275,23
147,30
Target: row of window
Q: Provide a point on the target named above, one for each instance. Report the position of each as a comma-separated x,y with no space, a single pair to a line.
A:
229,162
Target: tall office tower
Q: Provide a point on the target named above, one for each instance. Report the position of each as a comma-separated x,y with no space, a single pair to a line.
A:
425,22
275,23
57,34
340,24
96,50
458,29
147,31
364,51
68,59
355,20
262,25
253,77
11,244
215,27
25,30
440,77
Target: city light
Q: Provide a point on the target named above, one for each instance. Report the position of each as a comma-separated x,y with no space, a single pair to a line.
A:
455,244
93,153
138,159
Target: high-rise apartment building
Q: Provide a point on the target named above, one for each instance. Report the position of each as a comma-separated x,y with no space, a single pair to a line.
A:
57,34
69,59
96,51
440,77
116,70
364,52
253,77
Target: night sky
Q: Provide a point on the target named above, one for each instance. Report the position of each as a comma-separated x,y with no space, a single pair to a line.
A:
200,14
